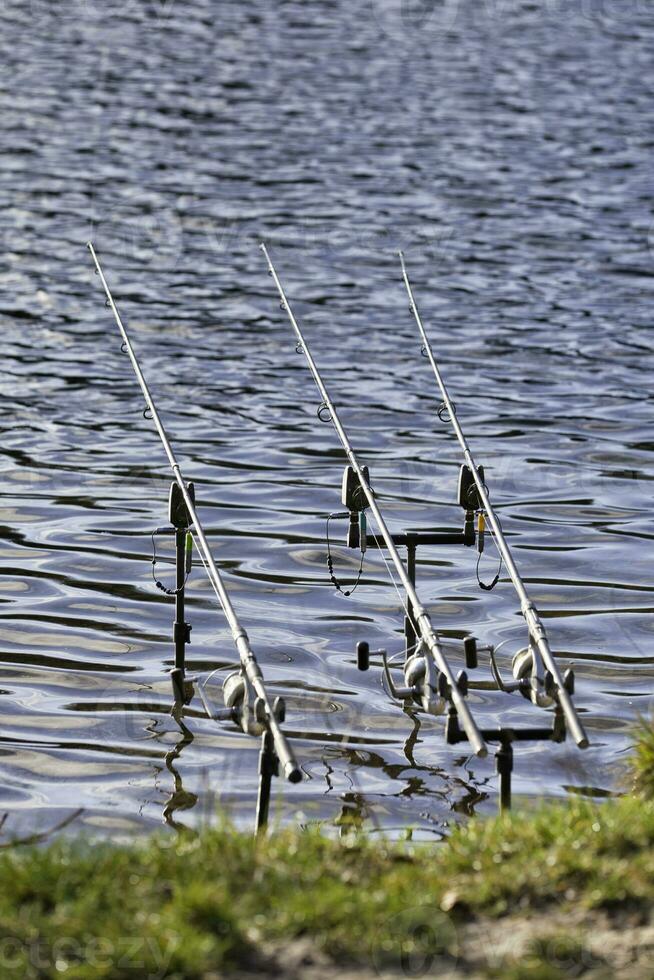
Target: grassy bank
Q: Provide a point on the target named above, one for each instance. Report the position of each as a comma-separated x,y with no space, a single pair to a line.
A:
221,902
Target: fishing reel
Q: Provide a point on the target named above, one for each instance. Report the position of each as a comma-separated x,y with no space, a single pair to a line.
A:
530,679
536,683
424,684
242,706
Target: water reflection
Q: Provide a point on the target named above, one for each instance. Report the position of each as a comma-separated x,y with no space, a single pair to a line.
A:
180,799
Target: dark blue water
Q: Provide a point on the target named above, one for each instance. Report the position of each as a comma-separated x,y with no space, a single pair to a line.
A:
507,148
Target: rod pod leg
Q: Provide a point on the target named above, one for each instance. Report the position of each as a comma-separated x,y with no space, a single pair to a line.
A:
409,625
180,518
181,629
268,767
504,767
177,680
179,633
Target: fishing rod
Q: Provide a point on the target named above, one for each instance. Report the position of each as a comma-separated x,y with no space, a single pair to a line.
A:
245,693
429,677
545,680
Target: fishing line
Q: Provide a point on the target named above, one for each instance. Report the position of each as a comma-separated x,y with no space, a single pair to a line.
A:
403,601
488,587
206,568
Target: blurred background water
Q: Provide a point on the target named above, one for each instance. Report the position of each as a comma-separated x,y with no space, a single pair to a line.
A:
507,147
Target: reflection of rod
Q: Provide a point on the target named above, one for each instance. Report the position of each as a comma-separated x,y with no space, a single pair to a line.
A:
180,798
420,615
537,632
247,658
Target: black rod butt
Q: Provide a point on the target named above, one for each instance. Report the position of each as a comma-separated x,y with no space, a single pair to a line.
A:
292,772
470,651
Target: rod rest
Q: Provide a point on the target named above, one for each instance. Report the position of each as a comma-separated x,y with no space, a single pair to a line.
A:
506,737
557,733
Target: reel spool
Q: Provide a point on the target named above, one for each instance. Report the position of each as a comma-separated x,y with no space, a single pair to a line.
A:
246,708
415,670
240,699
423,683
524,666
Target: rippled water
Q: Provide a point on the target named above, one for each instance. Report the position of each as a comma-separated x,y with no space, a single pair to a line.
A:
506,147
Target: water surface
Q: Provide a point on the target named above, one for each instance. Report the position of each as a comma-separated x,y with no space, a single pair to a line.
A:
507,148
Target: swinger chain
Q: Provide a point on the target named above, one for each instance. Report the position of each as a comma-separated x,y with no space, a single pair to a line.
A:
187,567
338,585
